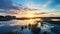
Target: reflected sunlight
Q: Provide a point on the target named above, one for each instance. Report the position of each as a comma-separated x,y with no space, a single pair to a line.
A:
31,21
26,22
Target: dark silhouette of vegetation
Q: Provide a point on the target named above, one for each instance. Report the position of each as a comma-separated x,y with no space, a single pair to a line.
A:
6,18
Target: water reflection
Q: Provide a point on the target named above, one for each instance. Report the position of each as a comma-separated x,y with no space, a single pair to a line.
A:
31,26
25,22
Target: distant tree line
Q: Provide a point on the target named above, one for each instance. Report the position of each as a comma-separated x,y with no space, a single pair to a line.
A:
8,17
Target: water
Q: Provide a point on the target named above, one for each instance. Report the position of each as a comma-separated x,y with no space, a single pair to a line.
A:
21,27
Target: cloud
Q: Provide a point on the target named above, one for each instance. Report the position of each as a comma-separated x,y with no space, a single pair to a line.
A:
7,7
46,3
58,5
32,5
7,4
4,4
12,11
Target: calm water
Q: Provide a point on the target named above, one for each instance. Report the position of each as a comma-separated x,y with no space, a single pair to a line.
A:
14,27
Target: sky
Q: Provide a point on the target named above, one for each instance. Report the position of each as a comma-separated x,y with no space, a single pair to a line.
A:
10,6
40,4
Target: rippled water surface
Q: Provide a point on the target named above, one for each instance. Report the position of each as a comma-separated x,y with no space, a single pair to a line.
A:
14,26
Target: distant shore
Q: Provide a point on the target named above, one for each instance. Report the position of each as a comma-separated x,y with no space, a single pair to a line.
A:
7,18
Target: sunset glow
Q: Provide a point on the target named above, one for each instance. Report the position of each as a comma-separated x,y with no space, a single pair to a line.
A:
30,14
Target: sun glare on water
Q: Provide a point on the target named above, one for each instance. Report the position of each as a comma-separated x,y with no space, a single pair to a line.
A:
26,22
